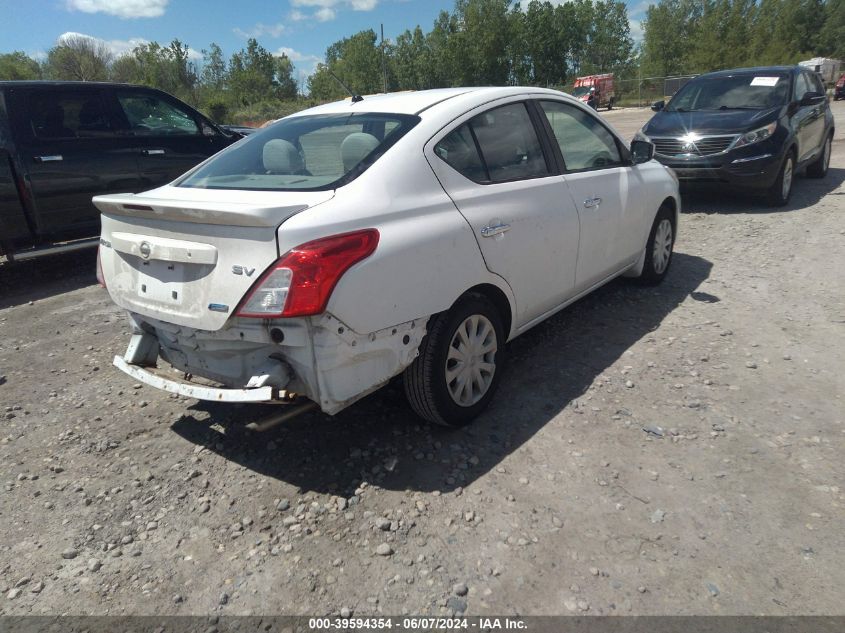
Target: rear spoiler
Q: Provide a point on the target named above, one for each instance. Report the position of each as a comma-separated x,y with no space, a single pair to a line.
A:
201,212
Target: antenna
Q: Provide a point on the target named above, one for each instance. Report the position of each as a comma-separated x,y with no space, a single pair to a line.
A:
355,96
383,63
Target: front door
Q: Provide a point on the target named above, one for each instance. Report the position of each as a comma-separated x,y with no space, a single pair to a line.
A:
495,170
170,139
599,180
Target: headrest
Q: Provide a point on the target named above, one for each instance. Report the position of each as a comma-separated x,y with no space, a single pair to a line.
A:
281,157
355,148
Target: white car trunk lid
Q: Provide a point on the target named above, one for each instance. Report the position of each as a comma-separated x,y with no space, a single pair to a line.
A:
190,259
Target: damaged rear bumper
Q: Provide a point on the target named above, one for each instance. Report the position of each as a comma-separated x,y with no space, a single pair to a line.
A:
274,361
200,392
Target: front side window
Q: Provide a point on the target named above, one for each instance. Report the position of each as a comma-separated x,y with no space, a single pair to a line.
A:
148,115
802,86
584,142
314,152
499,145
68,115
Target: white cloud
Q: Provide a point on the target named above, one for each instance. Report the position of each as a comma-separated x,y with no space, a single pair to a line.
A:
260,29
637,32
297,16
325,14
125,9
316,3
327,9
303,61
121,47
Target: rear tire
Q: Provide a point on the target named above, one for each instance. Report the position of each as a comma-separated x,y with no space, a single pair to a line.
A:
781,189
818,168
659,248
459,365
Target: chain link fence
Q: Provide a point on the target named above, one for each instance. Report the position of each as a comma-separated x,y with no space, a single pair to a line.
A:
643,91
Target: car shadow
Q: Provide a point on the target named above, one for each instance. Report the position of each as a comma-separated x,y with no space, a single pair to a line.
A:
379,440
721,198
31,280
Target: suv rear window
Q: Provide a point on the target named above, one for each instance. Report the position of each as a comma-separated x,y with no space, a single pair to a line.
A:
303,153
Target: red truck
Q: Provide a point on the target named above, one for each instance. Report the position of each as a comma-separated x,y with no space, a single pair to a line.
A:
595,90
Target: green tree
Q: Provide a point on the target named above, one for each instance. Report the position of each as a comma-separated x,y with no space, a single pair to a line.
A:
831,41
356,60
610,43
213,73
18,65
668,29
481,42
168,68
79,58
541,45
255,74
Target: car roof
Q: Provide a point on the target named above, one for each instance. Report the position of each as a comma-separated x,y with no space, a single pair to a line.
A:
48,83
418,101
751,71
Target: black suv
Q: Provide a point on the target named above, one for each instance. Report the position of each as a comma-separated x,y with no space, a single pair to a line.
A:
751,127
61,143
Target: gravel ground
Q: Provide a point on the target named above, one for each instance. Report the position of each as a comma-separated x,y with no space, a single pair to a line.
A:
676,450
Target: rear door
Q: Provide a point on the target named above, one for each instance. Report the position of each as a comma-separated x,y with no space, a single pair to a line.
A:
170,137
600,181
72,149
504,181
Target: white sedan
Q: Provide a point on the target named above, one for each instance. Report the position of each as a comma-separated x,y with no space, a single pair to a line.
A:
411,233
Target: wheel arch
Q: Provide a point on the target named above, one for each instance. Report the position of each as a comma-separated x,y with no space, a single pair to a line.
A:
498,298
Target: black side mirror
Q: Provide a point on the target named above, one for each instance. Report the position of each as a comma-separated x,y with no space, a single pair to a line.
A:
812,99
657,106
641,152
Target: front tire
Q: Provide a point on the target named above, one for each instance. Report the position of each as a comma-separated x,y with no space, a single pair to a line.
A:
659,248
781,189
459,365
818,169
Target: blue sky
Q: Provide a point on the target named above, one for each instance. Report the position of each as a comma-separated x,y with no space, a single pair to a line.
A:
300,28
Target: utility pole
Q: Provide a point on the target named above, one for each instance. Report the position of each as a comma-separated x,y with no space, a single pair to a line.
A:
383,62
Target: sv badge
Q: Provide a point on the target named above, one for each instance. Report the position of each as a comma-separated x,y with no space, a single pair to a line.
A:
243,270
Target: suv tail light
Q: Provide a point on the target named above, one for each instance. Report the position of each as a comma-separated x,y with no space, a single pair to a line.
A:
302,280
101,279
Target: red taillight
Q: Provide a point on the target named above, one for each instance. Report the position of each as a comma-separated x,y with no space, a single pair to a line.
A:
101,279
302,280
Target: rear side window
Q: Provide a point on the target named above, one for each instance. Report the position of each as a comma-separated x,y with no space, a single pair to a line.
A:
56,114
499,145
149,115
315,152
584,142
460,152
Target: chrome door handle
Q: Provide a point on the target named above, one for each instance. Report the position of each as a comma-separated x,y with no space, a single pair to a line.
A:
152,152
497,229
48,159
590,203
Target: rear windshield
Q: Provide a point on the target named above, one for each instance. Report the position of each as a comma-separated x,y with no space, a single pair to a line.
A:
303,153
740,92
